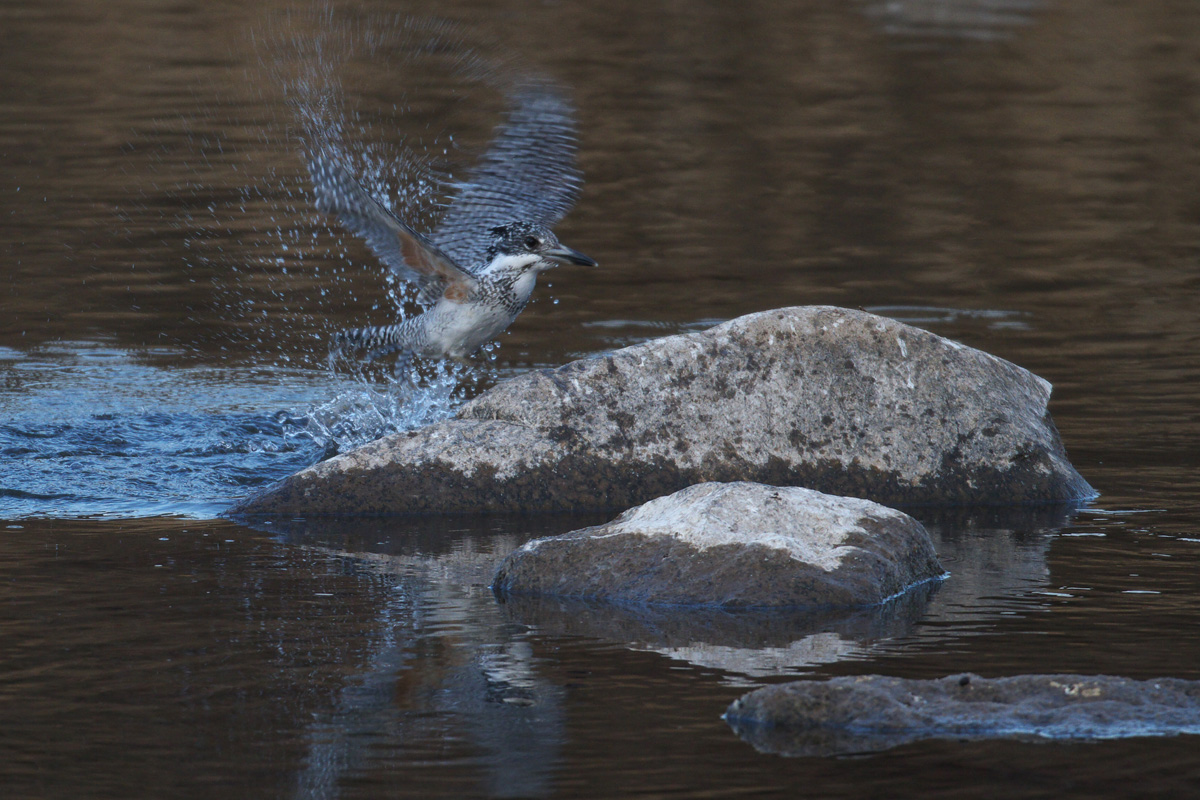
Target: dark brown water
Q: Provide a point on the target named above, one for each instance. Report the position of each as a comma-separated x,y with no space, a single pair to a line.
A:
1021,176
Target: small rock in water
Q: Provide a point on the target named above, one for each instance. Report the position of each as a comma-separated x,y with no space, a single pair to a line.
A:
732,545
874,712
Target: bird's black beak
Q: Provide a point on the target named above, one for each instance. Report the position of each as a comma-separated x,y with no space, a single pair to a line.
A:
569,256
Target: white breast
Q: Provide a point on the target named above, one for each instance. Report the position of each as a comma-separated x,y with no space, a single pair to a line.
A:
459,329
523,286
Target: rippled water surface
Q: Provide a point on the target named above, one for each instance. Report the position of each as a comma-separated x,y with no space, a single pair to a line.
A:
1021,176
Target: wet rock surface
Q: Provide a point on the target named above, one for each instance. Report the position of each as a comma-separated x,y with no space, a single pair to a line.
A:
832,399
732,545
873,712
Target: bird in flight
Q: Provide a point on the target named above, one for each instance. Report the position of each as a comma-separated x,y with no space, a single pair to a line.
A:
476,270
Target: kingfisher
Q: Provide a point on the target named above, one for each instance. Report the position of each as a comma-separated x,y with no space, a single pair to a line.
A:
476,270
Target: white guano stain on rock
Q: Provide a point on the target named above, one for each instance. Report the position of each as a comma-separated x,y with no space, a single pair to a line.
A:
807,525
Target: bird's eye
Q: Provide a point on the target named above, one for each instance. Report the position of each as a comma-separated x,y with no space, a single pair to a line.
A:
532,242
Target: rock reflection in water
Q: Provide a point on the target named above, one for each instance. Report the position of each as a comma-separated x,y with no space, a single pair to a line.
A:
978,20
995,556
748,644
446,670
447,667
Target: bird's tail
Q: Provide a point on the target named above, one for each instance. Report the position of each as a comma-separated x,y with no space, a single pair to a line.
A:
378,341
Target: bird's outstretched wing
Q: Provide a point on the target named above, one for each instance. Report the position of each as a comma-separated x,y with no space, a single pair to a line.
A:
528,173
408,253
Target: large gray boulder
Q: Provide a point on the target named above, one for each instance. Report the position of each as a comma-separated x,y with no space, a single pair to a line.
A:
732,545
873,712
827,398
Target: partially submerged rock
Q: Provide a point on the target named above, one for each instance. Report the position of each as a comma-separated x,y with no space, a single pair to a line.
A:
873,712
732,545
836,400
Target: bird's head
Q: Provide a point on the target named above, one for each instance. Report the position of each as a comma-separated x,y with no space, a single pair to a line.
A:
530,246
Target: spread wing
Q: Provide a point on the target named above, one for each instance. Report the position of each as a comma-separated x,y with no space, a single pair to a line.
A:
408,253
528,173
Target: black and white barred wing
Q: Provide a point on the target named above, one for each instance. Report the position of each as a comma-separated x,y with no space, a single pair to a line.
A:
528,173
402,249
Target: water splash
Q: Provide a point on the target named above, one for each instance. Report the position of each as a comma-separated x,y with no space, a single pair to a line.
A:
363,409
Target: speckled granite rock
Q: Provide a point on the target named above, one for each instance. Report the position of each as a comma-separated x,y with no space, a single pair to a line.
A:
732,545
873,712
832,399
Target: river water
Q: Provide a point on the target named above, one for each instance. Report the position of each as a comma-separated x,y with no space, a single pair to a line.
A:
1020,175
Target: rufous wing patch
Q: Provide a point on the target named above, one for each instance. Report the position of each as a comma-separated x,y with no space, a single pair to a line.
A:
456,293
434,264
415,255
